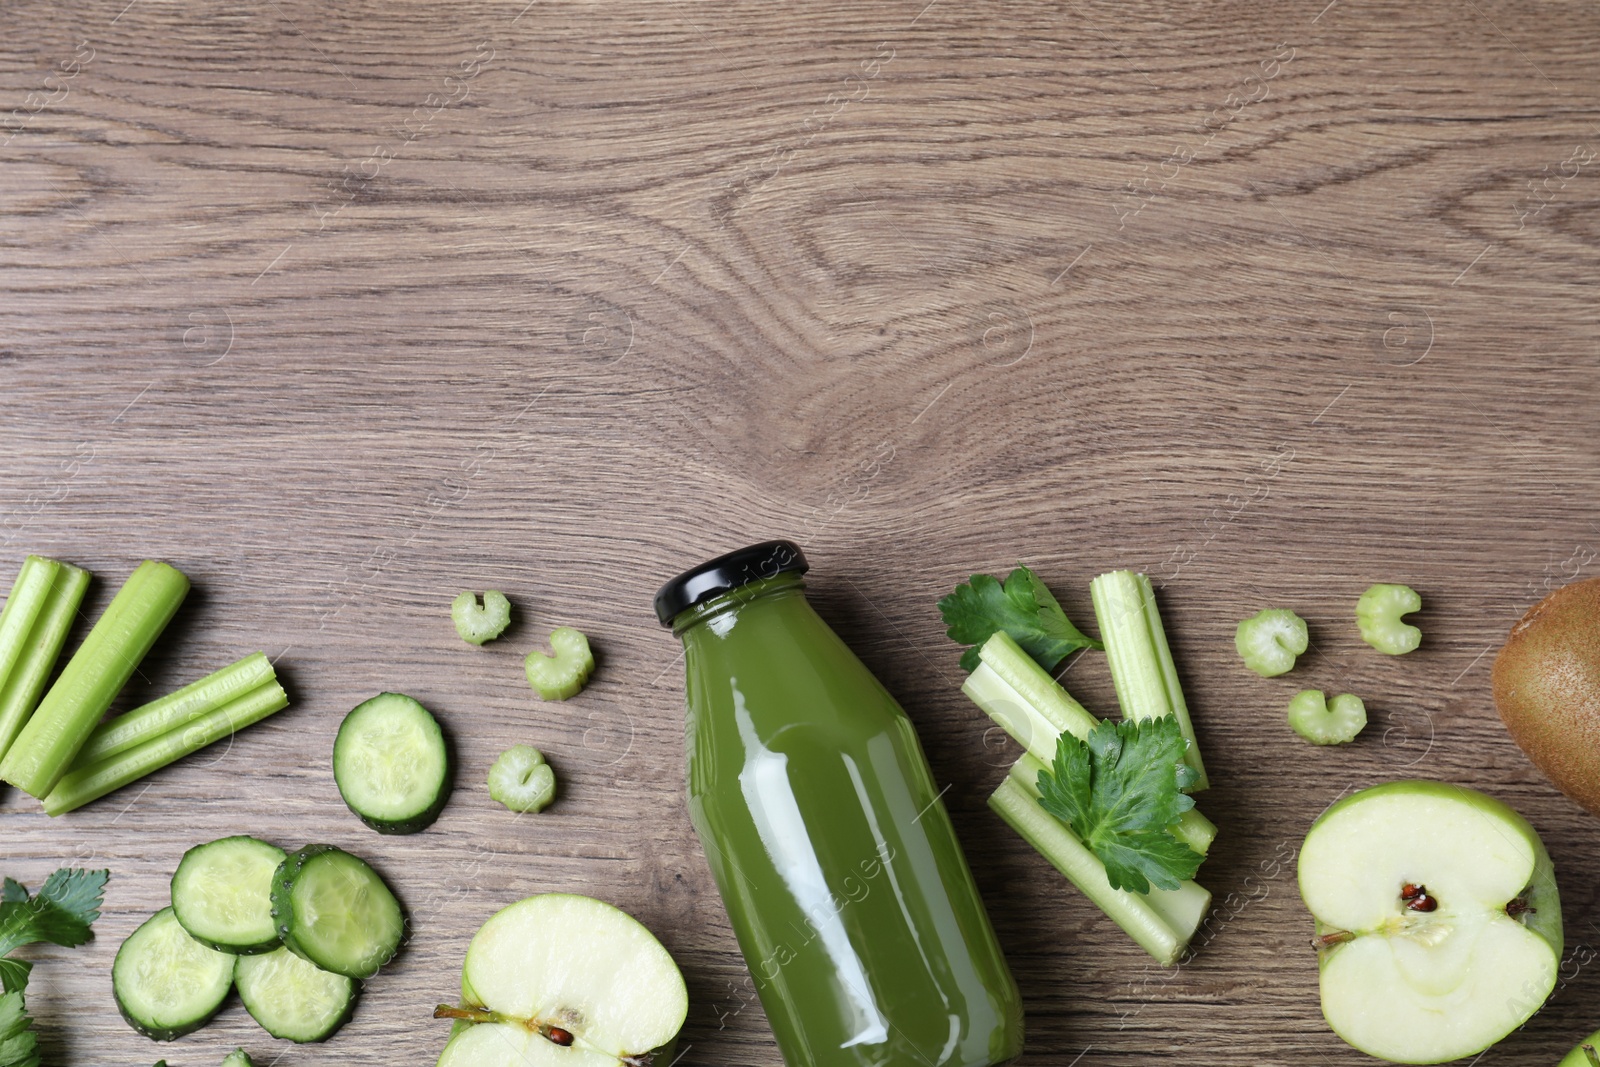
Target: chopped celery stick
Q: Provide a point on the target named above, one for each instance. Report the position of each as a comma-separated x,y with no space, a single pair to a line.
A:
560,676
1269,641
1141,663
477,623
1378,617
92,678
1162,921
175,709
83,784
38,615
1019,695
1327,722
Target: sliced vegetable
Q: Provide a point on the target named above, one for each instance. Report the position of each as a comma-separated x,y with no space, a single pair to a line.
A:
38,615
562,675
1022,607
1120,791
1162,922
1270,641
166,983
293,998
94,781
222,894
1019,695
47,745
176,710
1141,662
333,910
521,779
1327,722
479,622
238,1058
391,764
1378,617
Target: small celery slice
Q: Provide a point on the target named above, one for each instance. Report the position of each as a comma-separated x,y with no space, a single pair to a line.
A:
477,623
521,779
1327,722
1270,641
1019,695
1378,617
1140,660
1162,921
560,676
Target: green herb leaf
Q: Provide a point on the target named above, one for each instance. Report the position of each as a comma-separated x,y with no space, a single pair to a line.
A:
61,912
1120,792
18,1043
1023,607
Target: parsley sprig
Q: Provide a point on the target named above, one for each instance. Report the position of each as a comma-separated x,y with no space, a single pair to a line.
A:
1021,606
62,913
1121,791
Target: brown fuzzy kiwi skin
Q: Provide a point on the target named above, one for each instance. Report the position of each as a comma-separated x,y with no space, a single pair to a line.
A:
1547,688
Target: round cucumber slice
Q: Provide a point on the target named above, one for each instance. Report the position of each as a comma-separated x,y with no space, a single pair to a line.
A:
165,982
335,911
292,998
391,764
222,894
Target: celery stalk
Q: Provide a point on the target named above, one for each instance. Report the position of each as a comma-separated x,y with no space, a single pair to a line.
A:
175,710
1141,663
1019,695
91,680
84,784
38,615
1162,921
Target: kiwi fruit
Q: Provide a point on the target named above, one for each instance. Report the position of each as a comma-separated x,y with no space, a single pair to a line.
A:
1547,688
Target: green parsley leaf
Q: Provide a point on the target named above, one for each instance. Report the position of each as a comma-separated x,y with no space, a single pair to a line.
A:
19,1045
61,911
1023,607
1120,792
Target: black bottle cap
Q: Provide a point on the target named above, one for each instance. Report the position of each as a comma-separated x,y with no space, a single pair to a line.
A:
717,576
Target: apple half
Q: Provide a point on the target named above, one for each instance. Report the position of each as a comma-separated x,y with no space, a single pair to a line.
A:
1437,919
560,980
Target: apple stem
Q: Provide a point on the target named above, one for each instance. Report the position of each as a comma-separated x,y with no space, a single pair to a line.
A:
1331,938
1594,1057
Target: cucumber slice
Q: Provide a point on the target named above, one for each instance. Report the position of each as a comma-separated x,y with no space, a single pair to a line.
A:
222,894
166,983
334,910
391,766
293,999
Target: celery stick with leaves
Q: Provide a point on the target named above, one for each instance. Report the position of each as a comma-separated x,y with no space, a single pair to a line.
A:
1142,670
1011,687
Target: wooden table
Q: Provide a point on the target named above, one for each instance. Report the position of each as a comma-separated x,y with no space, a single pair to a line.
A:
345,308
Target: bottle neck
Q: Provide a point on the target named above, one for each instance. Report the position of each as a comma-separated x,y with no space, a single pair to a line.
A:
718,613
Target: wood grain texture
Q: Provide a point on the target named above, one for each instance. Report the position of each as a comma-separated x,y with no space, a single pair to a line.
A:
344,308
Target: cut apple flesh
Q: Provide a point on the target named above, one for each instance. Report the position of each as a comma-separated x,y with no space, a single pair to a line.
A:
1410,885
568,980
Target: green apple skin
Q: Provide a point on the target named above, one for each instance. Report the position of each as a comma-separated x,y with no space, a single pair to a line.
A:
1422,988
1577,1058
